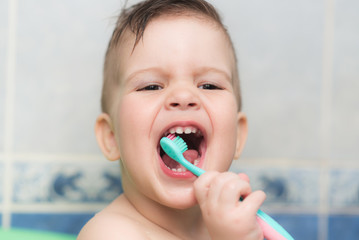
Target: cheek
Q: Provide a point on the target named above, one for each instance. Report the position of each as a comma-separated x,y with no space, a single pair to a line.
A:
135,116
225,124
226,117
130,113
132,130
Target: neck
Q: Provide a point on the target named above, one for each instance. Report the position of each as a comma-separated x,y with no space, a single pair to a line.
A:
182,223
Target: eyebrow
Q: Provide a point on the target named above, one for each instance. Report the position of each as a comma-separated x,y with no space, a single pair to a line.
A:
205,70
198,72
142,71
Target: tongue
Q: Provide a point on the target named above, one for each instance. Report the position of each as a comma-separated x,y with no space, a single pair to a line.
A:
190,155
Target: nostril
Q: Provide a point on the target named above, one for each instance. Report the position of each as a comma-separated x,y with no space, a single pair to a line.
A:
178,105
174,104
192,104
183,99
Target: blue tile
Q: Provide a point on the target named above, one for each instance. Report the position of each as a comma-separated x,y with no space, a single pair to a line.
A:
299,226
343,227
66,182
284,187
342,196
64,223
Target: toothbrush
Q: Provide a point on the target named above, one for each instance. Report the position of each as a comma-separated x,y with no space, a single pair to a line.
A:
174,146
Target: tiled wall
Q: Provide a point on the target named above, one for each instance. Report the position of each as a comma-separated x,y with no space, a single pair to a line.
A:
299,66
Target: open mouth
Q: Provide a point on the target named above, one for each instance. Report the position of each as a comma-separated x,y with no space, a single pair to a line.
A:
196,145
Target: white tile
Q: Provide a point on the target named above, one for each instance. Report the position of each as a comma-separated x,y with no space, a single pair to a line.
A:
1,180
3,56
60,52
345,135
279,46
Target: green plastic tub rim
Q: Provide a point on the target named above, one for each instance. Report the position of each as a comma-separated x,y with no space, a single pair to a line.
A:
21,234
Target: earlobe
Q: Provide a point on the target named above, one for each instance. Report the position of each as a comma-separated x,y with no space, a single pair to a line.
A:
242,133
105,136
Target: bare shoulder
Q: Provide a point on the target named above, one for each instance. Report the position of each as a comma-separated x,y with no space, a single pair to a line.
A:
110,224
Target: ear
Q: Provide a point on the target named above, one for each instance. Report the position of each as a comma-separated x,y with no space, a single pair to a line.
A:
242,133
105,136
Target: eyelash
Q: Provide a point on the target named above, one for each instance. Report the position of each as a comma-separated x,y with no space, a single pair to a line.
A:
155,87
152,87
209,86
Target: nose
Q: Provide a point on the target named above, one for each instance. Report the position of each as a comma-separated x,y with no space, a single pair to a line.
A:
183,98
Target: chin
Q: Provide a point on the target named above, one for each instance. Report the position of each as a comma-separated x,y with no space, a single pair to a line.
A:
180,199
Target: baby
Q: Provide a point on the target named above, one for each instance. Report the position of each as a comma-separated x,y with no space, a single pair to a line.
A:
170,67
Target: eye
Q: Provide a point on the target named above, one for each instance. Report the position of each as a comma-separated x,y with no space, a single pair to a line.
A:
209,86
152,87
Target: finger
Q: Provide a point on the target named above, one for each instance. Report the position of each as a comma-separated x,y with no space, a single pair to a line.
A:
253,201
244,177
217,185
232,191
202,185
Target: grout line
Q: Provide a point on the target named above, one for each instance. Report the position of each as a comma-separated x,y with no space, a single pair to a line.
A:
290,210
75,208
283,163
59,157
294,163
345,211
326,113
69,207
9,114
276,163
327,79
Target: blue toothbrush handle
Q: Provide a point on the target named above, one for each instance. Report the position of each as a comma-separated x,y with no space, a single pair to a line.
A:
265,217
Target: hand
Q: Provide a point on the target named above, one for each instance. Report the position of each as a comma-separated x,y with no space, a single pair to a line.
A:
225,216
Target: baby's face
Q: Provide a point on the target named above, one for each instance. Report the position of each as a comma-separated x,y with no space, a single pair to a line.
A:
177,79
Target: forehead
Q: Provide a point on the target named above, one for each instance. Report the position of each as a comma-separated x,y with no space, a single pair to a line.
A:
176,42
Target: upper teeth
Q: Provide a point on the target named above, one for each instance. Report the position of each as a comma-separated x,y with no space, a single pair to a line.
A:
185,130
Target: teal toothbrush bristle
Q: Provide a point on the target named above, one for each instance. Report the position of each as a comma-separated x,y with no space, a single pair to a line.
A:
181,144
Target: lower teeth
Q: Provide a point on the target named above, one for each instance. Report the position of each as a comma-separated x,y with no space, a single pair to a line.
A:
182,169
177,169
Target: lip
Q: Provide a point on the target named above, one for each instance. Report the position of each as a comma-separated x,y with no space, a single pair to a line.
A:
186,174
